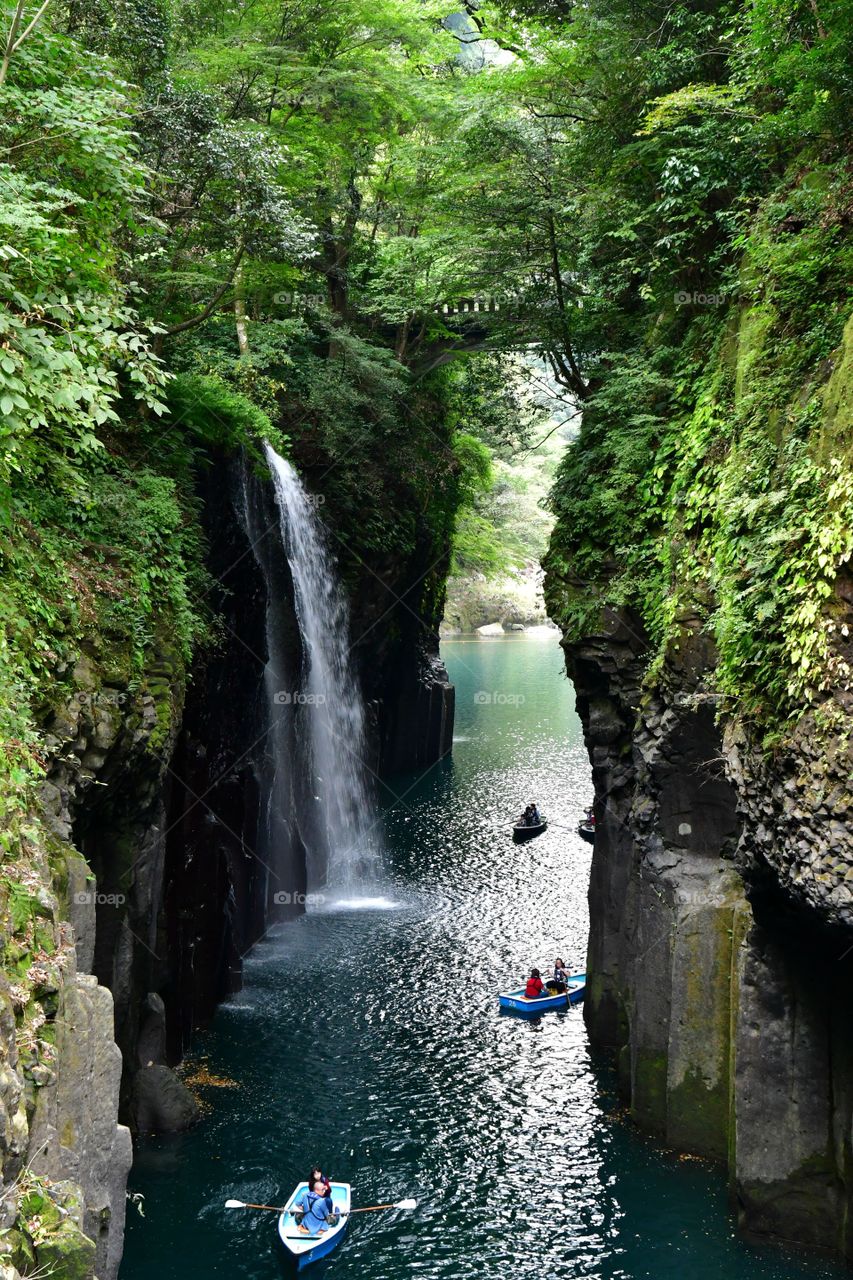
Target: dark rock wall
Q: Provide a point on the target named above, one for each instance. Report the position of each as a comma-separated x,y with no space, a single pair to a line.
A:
719,927
167,793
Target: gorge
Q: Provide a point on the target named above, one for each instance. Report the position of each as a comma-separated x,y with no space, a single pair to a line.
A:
257,403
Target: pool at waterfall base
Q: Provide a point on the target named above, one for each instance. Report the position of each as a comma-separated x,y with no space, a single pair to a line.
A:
368,1039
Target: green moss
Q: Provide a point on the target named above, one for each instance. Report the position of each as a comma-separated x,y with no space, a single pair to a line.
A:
649,1092
699,1101
698,1114
68,1253
16,1249
712,469
836,431
756,325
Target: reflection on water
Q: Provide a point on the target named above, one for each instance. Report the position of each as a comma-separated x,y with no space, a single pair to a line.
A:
369,1039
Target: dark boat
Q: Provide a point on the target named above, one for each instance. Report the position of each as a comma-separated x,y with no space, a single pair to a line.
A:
526,830
586,830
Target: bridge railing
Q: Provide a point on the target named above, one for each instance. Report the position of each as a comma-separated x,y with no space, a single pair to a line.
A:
477,304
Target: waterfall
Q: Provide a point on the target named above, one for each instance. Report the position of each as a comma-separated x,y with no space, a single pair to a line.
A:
341,832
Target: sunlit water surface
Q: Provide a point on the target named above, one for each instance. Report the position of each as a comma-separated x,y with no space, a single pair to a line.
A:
368,1038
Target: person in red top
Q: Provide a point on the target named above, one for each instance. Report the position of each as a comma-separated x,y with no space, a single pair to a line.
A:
535,986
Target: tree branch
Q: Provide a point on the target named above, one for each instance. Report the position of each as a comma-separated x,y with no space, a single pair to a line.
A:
10,40
214,301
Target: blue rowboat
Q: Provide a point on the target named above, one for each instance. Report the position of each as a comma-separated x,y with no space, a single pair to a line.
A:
305,1248
517,1001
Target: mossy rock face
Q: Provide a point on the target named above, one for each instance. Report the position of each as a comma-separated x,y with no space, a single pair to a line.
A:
17,1250
38,1204
837,429
116,661
698,1115
756,323
68,1253
649,1094
604,1014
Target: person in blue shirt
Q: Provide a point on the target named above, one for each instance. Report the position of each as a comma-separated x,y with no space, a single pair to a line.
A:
314,1204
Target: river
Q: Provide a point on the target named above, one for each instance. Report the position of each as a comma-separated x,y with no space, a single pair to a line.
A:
368,1039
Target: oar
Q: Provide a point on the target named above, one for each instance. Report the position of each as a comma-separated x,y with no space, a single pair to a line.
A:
279,1208
240,1204
371,1208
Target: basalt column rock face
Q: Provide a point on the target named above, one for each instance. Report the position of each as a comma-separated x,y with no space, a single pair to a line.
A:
395,619
221,876
720,951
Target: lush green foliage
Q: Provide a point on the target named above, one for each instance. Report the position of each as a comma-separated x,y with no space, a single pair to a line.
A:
704,478
228,223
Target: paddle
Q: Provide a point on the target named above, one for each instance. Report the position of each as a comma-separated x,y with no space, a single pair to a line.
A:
401,1204
240,1204
278,1208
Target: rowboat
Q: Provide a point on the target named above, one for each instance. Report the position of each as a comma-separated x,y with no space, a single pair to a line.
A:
308,1248
518,1002
525,830
587,831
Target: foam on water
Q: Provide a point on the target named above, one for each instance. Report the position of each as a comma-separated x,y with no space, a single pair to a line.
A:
357,904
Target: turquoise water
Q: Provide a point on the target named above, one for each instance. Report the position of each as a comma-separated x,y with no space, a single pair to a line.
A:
369,1039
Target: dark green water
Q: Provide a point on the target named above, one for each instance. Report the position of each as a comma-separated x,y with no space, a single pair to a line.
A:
370,1041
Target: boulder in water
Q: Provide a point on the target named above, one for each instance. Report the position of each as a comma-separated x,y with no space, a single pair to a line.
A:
161,1103
491,629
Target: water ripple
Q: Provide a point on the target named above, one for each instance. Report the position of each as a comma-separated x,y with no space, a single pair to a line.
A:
369,1038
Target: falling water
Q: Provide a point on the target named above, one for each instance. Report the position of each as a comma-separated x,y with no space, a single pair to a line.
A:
344,847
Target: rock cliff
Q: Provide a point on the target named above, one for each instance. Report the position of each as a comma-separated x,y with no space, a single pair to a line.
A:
135,880
720,948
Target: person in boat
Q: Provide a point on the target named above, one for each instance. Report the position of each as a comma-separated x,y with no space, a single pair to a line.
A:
317,1175
314,1209
535,816
535,986
527,816
560,980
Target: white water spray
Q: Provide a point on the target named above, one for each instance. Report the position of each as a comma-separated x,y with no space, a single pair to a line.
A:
328,706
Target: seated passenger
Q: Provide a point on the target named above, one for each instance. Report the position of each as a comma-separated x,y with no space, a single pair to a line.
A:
535,986
318,1175
315,1206
560,980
